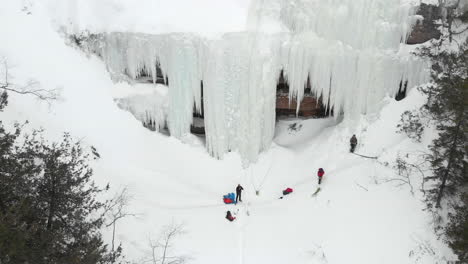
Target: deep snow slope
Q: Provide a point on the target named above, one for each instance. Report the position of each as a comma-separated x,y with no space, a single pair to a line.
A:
358,217
207,17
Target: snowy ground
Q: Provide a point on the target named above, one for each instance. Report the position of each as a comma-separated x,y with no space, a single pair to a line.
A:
356,218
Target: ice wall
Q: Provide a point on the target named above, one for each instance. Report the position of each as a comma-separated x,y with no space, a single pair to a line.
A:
351,49
240,78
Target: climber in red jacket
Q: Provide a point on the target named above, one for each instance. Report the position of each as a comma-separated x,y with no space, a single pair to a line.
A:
320,174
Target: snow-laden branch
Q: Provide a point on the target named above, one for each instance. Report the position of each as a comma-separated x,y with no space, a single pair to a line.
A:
30,88
161,248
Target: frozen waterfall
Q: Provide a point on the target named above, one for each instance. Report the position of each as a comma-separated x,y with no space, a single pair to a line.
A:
353,51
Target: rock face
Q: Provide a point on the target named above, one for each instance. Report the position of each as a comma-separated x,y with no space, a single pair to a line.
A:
310,106
425,29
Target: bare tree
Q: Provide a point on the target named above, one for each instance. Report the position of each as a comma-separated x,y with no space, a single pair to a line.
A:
116,209
30,88
421,248
451,11
406,170
161,249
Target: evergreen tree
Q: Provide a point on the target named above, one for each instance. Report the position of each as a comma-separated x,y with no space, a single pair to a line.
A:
447,109
3,100
457,230
48,207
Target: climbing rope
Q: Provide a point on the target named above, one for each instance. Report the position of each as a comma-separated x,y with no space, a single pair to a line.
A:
257,189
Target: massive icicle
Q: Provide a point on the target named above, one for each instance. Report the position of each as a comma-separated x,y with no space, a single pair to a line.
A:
150,108
240,91
179,56
351,49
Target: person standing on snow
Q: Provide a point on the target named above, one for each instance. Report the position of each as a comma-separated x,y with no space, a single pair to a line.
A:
320,174
239,190
353,142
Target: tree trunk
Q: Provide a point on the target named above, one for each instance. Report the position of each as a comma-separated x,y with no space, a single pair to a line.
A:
164,252
450,22
440,193
113,239
51,204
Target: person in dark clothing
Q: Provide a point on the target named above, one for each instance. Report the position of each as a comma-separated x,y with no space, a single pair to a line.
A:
320,174
229,216
239,190
353,142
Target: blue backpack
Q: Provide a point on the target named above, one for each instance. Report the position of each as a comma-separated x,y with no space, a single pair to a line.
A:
231,196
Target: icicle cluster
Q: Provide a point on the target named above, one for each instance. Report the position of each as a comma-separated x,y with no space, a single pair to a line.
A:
150,109
350,50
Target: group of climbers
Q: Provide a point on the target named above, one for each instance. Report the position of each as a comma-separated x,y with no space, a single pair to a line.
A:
229,198
353,144
238,197
234,198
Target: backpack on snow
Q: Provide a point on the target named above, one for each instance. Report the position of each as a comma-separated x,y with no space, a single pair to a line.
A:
287,191
229,198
